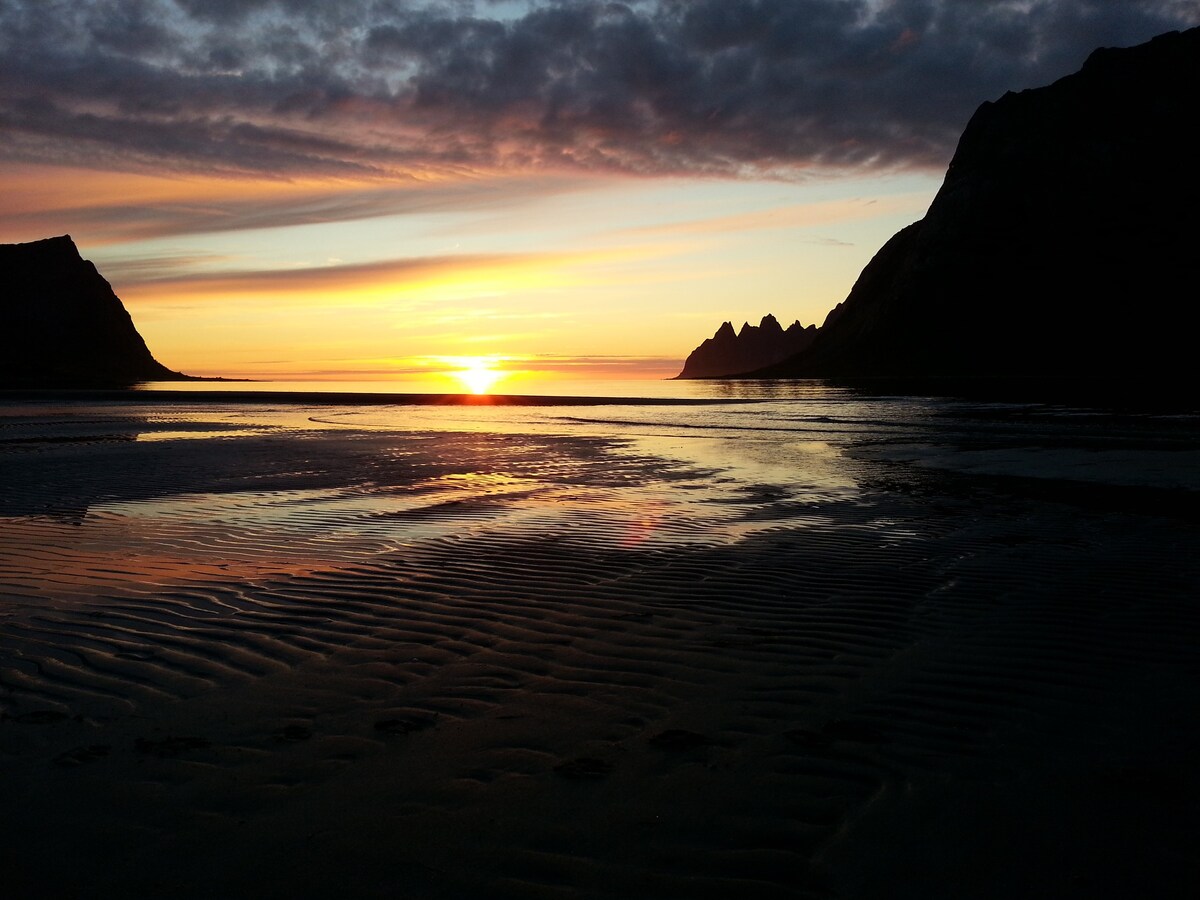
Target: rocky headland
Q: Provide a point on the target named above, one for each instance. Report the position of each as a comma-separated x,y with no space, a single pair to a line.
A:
1062,243
61,325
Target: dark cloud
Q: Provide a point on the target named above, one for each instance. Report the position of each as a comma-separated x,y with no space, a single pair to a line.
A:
376,87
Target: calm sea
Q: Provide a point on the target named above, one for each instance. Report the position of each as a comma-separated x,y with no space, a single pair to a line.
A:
516,386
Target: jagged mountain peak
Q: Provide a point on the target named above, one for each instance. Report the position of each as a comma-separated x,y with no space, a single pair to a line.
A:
754,346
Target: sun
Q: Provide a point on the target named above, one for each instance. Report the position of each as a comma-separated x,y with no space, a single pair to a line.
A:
477,373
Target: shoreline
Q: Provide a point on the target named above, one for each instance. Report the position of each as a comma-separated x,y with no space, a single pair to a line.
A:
311,398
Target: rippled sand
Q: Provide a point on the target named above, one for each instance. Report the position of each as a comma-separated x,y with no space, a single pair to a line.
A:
321,652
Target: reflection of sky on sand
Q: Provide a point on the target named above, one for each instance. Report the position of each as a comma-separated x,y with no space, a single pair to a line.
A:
142,545
145,545
202,435
223,492
804,469
374,488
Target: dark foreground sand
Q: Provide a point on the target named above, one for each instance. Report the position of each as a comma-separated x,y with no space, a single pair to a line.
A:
291,663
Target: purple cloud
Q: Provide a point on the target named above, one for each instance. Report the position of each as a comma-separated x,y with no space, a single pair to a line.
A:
378,87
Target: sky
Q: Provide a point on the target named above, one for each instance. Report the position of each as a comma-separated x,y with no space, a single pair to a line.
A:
378,189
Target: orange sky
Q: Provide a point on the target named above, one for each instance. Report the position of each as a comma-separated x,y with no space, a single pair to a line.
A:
375,279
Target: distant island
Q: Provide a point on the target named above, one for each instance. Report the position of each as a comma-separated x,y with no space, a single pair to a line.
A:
728,352
61,325
1062,243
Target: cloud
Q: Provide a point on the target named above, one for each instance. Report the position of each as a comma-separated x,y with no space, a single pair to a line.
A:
545,362
172,280
809,215
157,268
198,206
380,88
564,366
445,278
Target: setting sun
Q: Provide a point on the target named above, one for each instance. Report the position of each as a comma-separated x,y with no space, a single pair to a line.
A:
477,373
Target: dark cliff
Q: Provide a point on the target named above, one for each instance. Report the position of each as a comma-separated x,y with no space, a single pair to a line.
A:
1062,242
62,325
727,352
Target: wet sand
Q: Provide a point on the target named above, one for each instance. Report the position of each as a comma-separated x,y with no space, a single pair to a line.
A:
248,660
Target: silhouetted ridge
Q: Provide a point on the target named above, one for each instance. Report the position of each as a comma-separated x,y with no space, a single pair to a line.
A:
1062,242
62,325
727,352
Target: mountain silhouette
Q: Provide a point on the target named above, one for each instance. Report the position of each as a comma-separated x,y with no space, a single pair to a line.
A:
1062,243
728,352
61,325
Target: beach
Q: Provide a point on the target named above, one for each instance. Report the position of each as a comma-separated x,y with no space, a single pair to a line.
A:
784,642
